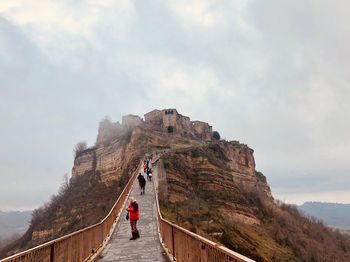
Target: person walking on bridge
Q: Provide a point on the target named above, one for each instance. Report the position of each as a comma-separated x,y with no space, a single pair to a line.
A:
142,183
150,174
145,166
134,215
147,172
139,178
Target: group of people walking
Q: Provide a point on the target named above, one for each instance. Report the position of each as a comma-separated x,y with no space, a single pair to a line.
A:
133,208
148,169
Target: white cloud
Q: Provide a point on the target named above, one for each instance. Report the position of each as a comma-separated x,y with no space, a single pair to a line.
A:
204,13
66,30
210,14
173,81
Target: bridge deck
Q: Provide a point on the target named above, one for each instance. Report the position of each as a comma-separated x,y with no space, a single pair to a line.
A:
148,246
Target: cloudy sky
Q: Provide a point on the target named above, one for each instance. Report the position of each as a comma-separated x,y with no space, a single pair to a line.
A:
272,74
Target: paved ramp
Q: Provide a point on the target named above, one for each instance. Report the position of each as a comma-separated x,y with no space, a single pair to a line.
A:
147,247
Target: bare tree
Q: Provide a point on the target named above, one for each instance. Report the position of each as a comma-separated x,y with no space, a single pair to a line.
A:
64,186
80,147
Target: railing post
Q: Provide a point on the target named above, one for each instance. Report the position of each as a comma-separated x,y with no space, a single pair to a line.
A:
101,233
52,252
172,237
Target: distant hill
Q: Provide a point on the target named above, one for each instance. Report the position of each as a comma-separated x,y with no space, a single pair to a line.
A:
333,214
13,222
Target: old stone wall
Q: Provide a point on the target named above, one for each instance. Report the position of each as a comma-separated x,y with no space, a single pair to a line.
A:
107,131
131,121
203,130
170,121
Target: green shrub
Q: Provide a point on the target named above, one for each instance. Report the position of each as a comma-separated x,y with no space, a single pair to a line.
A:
216,135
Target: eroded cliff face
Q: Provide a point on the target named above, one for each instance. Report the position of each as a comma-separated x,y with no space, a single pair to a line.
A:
109,161
222,170
214,190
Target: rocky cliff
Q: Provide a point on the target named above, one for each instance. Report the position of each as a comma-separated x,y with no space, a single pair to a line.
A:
214,190
220,172
221,166
110,160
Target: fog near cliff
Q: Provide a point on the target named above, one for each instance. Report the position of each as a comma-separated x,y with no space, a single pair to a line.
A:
272,74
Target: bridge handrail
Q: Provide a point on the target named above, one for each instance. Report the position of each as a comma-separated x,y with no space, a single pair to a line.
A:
79,245
184,245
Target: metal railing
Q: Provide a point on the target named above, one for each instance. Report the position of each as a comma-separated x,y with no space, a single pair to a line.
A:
79,245
183,245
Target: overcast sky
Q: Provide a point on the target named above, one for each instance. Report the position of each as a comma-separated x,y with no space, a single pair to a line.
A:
272,74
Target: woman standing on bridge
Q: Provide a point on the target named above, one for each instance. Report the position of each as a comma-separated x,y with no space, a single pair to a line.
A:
134,215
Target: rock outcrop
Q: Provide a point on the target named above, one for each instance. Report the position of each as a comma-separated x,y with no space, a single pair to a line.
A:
109,161
226,167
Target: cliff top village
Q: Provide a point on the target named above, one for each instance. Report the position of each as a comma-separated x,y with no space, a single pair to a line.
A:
166,120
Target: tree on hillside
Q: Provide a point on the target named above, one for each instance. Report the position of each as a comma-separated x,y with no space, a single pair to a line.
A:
79,147
216,135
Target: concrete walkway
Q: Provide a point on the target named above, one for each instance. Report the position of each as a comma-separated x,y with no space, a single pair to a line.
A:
147,247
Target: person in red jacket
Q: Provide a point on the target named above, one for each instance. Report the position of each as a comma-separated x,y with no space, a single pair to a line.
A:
134,215
145,166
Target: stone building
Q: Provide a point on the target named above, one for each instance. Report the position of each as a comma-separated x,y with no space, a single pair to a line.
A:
203,130
154,119
131,120
107,131
171,122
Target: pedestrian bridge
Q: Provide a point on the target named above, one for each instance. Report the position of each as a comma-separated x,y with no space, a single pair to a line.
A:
108,240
